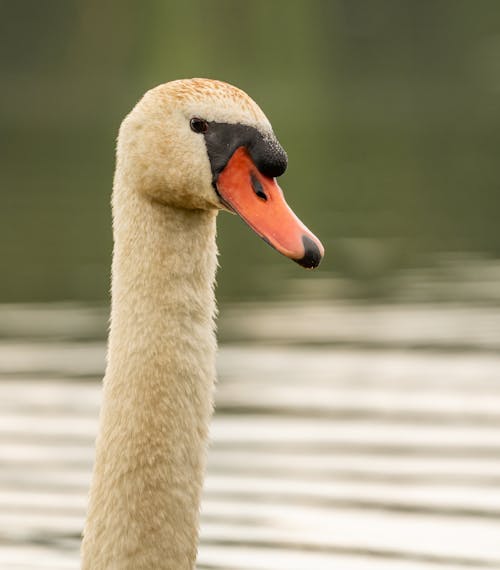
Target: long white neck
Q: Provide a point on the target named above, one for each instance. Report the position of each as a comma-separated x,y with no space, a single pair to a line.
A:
157,399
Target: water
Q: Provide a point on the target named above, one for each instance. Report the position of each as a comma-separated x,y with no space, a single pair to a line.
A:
361,437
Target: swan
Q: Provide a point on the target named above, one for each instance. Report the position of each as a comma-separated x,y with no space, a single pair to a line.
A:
189,149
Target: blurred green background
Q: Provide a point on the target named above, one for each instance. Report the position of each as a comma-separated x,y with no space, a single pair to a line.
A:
389,110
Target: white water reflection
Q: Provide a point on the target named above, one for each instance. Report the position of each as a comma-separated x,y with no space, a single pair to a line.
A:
375,446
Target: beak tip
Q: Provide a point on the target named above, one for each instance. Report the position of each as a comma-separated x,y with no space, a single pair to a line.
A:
312,254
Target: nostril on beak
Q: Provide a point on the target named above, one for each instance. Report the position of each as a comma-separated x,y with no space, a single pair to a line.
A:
312,254
257,186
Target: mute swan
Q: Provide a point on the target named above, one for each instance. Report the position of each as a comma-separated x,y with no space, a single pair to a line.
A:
187,150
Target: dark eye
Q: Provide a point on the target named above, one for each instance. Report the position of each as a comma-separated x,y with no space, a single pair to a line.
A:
198,125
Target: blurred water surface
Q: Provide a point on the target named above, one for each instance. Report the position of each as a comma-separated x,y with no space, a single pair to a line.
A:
345,436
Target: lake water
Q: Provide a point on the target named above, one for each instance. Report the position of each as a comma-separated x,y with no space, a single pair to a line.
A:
363,437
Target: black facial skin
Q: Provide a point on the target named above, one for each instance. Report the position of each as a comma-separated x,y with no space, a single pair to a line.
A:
222,139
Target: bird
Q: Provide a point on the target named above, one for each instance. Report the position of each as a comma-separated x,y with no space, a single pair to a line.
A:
188,150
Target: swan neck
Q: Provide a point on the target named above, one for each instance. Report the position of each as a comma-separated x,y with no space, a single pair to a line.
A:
158,389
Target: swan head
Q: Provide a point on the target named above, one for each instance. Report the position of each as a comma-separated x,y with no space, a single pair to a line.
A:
205,144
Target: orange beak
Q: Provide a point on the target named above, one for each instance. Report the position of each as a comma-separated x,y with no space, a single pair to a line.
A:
260,202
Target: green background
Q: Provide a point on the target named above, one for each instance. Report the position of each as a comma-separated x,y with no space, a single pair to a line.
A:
389,111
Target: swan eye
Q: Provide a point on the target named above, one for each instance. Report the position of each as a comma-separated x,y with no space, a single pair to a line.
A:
198,125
